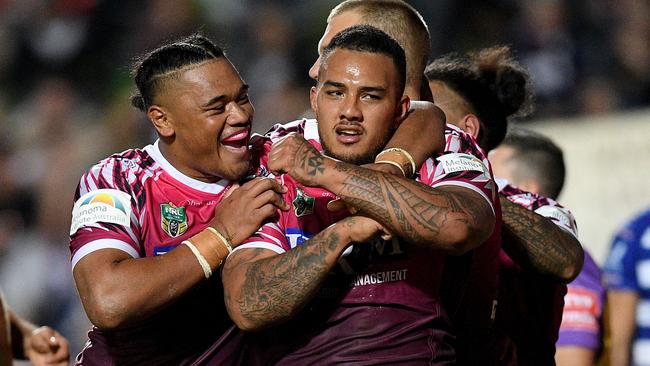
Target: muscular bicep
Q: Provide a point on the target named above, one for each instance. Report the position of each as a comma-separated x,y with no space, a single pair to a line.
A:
93,275
473,216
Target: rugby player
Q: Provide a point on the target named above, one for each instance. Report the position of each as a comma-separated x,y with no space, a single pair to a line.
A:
533,163
380,303
175,197
479,93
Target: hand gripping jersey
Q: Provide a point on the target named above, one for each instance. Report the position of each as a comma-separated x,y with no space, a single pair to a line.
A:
139,203
530,306
627,268
381,304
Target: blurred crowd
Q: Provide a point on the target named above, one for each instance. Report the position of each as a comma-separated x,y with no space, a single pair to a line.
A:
65,82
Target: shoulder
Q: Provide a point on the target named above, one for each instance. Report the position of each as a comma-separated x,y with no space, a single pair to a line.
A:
117,170
459,141
280,130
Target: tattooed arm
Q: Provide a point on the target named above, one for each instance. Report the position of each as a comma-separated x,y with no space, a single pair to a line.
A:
452,218
263,288
534,242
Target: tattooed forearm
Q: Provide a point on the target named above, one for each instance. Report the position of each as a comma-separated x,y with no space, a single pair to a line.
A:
275,288
536,243
414,211
312,162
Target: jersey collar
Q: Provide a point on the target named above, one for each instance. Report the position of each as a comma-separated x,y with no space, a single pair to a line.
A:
215,188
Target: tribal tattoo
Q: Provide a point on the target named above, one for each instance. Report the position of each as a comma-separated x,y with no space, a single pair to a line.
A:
534,241
412,210
275,288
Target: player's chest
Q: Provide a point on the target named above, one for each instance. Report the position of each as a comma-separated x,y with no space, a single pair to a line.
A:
171,216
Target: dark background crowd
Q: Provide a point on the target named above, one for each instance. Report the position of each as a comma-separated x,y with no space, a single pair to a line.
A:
65,82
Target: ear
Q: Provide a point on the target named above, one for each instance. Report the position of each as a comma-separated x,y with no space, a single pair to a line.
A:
160,119
471,125
402,110
313,99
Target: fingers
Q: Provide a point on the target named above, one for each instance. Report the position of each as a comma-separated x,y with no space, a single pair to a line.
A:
272,198
339,205
41,339
258,185
336,205
232,189
61,349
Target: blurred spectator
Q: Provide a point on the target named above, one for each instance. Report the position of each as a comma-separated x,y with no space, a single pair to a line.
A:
627,274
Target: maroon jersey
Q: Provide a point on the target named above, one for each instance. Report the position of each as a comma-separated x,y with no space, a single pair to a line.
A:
530,306
381,304
139,203
470,281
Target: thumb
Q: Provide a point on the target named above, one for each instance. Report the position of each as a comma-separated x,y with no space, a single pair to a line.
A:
232,189
336,205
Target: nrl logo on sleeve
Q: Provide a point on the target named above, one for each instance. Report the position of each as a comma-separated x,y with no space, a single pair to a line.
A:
102,205
303,204
458,162
173,219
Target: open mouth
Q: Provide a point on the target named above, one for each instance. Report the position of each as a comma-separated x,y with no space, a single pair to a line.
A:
348,134
237,142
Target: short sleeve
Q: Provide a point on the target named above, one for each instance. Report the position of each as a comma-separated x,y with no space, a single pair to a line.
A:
462,164
104,214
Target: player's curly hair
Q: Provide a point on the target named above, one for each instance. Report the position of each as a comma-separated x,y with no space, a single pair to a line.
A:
494,85
151,69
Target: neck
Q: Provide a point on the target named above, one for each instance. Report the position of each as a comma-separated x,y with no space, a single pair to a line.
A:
169,153
413,91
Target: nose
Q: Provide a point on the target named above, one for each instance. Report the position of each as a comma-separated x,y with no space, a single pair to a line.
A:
313,71
350,109
239,115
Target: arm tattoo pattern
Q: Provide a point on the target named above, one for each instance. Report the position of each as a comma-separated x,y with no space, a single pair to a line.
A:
312,163
275,288
533,240
410,209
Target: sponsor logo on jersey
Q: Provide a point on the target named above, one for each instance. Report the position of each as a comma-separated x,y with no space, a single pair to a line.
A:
303,204
458,162
102,205
173,220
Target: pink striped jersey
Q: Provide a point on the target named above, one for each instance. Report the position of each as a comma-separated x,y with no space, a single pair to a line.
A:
137,202
530,306
381,304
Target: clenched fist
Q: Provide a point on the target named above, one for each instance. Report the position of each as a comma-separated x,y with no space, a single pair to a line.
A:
297,157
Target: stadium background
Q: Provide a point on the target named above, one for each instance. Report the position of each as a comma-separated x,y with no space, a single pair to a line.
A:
64,87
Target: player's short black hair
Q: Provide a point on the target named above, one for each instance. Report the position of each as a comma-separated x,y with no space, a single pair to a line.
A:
150,69
494,84
366,38
537,157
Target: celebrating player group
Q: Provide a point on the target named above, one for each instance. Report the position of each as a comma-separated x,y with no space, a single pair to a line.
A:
375,233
